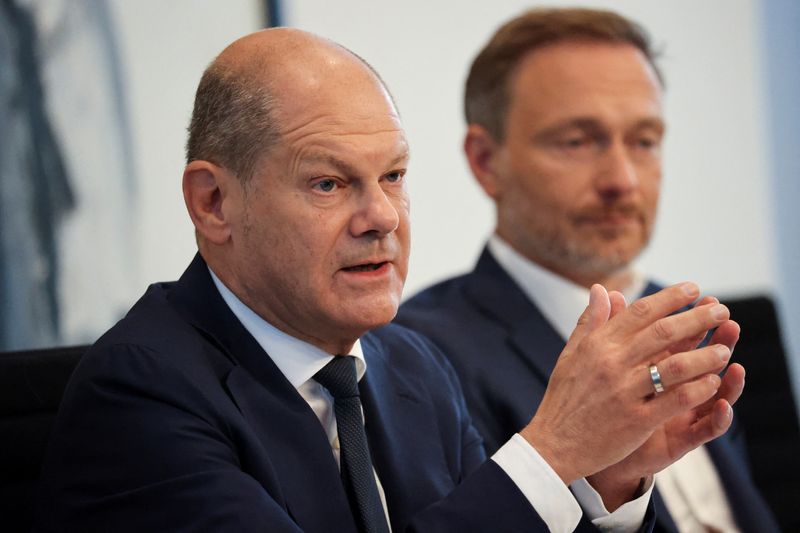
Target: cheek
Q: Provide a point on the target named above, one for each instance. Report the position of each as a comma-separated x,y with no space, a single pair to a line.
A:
544,182
650,191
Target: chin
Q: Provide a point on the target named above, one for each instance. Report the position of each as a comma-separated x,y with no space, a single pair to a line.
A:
369,316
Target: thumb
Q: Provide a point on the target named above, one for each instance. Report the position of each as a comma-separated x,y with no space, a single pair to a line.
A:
595,315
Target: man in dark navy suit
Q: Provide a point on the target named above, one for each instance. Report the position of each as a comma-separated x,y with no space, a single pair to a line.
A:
565,126
260,392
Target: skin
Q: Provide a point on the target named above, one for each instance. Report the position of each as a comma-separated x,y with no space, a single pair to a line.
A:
576,178
317,244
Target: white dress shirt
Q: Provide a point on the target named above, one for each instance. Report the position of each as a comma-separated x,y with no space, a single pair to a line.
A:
690,487
552,500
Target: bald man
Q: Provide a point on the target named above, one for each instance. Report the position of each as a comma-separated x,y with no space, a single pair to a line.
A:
260,391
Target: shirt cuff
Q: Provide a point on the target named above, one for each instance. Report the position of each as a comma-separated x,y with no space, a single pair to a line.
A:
626,519
540,485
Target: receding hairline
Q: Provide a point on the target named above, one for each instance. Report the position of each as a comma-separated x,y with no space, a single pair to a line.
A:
256,54
256,70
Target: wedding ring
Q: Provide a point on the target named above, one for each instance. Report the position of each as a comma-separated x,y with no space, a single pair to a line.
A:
655,377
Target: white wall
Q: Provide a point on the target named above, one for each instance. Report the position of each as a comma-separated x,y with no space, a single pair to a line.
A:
165,46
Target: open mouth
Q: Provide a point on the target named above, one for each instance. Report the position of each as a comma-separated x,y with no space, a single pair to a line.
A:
367,267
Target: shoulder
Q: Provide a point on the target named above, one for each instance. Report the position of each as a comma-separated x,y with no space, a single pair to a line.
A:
409,355
439,294
152,346
446,301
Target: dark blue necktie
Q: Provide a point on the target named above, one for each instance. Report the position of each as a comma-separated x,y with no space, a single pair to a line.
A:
339,377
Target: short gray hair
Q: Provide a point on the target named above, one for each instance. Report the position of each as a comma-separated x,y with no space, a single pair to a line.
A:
233,121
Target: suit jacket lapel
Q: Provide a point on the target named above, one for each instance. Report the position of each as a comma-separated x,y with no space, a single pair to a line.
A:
398,417
529,333
294,443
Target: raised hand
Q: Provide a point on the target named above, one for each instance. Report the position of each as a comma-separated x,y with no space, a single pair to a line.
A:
600,405
684,432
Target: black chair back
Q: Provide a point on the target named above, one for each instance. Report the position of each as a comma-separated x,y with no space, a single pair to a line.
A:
31,386
767,411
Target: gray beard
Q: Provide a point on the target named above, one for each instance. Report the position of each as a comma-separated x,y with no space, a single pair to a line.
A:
568,255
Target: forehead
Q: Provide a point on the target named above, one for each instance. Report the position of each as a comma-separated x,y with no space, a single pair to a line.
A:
584,79
354,116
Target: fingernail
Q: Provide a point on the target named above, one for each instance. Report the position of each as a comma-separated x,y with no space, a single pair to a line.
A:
690,289
723,352
719,311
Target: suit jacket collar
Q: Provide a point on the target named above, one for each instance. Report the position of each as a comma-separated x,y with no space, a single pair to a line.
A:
304,473
494,292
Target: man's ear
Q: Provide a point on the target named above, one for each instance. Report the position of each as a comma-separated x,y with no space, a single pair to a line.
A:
482,153
206,188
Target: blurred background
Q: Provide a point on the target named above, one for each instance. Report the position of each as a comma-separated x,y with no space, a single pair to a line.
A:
95,97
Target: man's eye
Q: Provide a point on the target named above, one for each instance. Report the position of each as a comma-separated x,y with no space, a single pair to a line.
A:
327,185
647,142
574,142
394,177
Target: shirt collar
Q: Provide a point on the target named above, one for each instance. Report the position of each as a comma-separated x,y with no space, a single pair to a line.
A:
297,360
560,300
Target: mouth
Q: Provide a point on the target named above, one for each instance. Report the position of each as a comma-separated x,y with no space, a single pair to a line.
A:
612,220
612,217
367,267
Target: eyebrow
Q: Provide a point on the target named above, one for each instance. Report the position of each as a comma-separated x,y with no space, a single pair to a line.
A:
588,123
345,167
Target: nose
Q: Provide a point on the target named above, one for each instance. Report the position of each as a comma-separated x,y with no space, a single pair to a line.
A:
617,174
376,213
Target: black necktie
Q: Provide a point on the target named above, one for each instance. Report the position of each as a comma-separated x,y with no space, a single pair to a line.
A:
339,377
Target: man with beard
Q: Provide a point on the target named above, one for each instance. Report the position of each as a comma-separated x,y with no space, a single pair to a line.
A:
260,391
565,125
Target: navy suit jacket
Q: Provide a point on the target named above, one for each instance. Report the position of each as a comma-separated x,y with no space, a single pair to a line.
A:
177,420
504,350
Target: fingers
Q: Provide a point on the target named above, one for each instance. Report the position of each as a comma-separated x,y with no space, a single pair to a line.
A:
676,329
730,390
618,303
645,311
599,307
595,315
712,425
726,333
693,433
682,398
694,342
687,366
732,384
